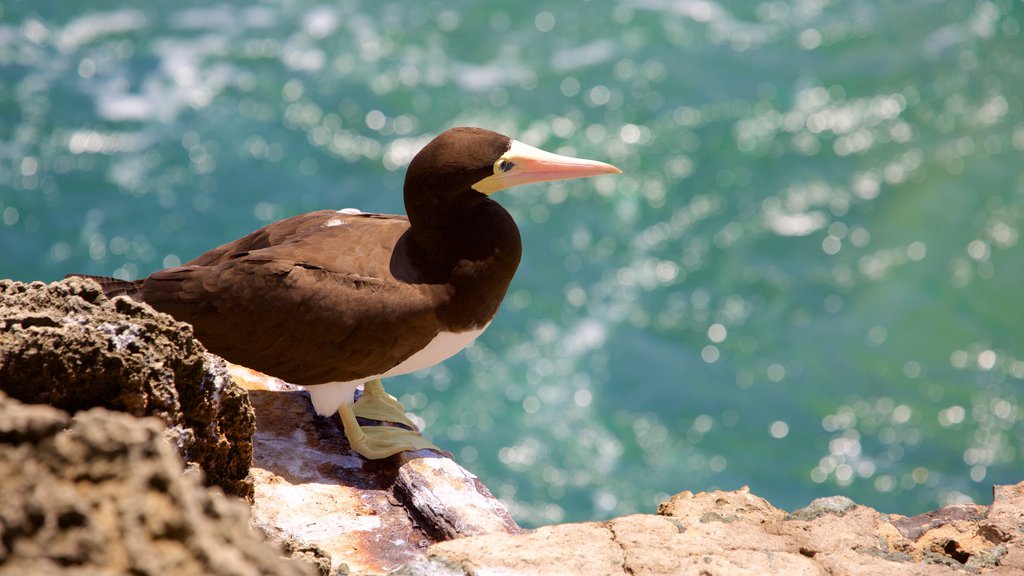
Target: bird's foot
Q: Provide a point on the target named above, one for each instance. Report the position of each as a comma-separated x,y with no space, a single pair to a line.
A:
376,442
377,404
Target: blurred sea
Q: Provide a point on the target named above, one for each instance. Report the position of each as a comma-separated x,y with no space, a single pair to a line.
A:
809,279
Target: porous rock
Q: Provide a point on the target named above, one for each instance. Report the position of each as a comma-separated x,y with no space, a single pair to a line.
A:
67,345
738,533
103,493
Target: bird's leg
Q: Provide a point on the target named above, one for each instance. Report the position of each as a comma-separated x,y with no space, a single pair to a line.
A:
376,442
377,404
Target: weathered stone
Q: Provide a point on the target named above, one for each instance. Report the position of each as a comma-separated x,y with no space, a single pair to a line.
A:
738,534
28,423
104,493
1005,519
370,516
67,345
648,543
587,548
838,505
448,500
314,555
916,526
690,508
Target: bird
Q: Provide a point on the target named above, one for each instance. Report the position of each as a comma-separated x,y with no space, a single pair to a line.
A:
334,299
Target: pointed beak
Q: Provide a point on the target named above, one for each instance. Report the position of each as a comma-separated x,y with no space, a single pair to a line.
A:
524,164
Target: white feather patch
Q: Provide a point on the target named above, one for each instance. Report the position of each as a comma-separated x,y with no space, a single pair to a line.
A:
328,397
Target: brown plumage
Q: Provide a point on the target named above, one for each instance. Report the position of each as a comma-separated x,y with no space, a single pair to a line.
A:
334,297
339,297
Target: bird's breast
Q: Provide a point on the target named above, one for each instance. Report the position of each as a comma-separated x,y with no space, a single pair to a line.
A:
443,346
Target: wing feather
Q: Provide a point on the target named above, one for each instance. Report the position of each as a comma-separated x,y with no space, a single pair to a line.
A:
332,271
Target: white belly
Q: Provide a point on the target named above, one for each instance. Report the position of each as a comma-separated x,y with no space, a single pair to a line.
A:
442,347
327,397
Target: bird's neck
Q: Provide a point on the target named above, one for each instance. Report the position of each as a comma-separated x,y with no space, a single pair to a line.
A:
473,242
466,226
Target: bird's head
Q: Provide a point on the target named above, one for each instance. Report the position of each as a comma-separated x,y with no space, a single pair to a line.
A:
463,159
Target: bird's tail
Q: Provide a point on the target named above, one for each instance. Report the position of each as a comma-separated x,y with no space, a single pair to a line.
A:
115,286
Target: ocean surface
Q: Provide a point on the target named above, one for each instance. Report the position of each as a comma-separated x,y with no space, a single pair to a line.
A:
809,278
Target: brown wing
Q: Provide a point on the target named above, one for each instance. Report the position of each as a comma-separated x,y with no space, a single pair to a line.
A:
310,299
281,232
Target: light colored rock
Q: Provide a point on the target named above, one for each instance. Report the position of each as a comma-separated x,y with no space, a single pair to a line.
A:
1006,516
587,548
739,534
721,506
654,545
450,498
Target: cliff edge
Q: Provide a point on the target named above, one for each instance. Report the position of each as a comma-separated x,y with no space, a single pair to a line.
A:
120,434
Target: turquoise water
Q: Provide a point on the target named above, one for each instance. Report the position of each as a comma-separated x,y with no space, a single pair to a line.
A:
808,279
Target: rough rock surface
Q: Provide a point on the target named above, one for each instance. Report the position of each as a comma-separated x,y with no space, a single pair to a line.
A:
104,493
737,534
311,489
67,345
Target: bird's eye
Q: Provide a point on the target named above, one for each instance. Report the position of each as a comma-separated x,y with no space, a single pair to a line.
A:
505,165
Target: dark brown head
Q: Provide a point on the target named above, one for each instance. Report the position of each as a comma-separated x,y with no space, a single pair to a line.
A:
462,161
448,184
453,162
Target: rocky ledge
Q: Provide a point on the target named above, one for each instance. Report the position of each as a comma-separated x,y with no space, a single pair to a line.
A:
119,435
738,533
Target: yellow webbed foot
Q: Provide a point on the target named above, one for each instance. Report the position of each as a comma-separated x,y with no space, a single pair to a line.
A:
376,442
377,404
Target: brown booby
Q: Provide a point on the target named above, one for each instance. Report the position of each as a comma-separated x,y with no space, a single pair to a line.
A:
330,300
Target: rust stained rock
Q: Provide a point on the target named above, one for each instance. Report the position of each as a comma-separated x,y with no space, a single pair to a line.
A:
373,516
914,527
